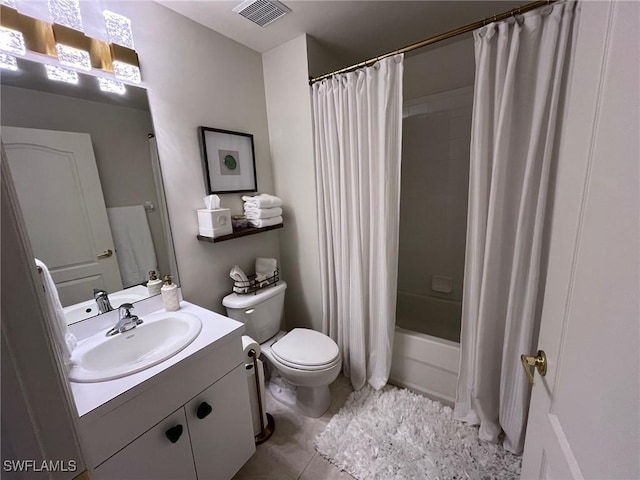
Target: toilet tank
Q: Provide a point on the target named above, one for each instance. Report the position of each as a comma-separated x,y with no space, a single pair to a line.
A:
261,313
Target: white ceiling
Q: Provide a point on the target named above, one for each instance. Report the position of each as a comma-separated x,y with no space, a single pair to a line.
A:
354,30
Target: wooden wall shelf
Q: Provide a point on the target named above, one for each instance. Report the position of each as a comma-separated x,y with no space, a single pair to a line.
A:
240,233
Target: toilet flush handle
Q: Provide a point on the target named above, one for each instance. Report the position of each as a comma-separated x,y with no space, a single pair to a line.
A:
249,311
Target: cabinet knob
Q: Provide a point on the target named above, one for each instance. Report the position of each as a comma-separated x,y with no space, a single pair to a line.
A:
174,433
203,410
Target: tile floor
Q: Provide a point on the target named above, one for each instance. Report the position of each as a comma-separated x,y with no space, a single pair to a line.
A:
290,454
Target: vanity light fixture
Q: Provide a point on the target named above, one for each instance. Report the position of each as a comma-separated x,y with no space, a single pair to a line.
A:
8,62
118,29
37,34
111,86
67,13
97,51
61,74
12,41
24,35
126,71
73,57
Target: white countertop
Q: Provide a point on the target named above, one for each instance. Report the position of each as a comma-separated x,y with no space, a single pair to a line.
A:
216,329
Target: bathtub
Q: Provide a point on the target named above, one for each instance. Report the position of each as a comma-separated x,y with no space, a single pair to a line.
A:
425,364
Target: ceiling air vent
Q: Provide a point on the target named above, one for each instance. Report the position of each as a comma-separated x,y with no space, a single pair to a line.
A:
262,12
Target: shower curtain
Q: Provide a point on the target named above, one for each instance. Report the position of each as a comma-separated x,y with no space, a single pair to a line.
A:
520,66
357,134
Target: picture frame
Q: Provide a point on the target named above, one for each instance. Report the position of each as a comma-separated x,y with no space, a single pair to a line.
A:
228,161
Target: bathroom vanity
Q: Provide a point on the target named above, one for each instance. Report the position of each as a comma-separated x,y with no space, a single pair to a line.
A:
187,417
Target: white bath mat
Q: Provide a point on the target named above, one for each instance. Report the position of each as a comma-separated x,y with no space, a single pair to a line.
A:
395,434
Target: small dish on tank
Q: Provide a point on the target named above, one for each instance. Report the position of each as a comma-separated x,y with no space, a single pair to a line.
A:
239,222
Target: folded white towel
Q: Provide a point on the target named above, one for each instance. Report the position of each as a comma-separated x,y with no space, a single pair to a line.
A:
254,213
238,275
263,200
66,340
262,280
265,268
264,222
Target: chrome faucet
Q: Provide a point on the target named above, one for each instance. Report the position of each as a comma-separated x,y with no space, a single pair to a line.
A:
126,321
102,299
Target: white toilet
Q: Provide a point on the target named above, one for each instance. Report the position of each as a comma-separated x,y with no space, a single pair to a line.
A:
303,362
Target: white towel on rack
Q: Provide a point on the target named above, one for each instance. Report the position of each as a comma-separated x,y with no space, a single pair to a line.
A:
251,212
265,267
264,222
65,339
238,275
264,200
134,245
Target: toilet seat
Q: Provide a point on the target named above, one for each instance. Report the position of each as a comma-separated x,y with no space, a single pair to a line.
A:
306,349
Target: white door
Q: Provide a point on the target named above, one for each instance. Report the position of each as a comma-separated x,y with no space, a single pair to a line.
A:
584,418
59,191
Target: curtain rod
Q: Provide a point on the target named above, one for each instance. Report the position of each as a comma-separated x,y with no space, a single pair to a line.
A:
438,38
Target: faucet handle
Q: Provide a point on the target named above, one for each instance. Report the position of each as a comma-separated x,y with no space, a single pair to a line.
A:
127,307
126,321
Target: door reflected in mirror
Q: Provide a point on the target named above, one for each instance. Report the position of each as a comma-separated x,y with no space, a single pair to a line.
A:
86,172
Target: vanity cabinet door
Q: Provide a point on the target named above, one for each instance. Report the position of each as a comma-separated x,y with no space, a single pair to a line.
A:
220,427
163,452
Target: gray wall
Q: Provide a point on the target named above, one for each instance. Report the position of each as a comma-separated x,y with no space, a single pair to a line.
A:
194,77
120,143
439,69
291,138
434,191
324,59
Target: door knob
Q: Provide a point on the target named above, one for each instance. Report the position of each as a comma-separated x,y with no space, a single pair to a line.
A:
106,254
529,362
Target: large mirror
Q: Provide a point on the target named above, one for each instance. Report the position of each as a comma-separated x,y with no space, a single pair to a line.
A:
85,167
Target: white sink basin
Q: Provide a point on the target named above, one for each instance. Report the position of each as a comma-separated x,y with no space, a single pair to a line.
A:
162,335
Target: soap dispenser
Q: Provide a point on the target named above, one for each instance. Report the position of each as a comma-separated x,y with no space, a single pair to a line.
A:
169,293
154,284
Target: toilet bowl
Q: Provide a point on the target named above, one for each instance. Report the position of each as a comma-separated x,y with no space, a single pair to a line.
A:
303,363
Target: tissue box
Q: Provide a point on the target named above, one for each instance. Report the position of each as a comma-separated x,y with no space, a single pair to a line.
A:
214,223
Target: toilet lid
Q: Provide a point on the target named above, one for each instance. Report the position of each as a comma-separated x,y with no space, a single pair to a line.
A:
305,347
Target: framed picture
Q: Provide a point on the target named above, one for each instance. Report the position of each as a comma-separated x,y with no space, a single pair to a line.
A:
228,161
